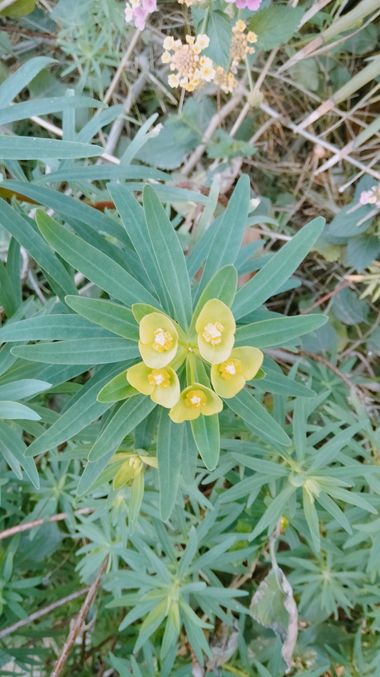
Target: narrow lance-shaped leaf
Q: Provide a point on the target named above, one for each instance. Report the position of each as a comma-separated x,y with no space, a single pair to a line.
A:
170,258
278,269
126,418
111,316
23,232
34,148
256,417
278,331
225,245
104,350
133,218
169,454
95,265
206,435
82,410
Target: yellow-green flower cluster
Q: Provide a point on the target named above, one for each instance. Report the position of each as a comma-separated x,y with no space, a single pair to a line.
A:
164,347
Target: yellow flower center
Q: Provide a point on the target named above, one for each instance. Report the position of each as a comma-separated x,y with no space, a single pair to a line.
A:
212,333
230,368
163,340
195,399
159,377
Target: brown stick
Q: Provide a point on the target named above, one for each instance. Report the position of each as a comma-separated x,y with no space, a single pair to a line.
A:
79,622
41,612
37,523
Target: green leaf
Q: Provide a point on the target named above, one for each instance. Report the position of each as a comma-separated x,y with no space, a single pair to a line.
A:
135,224
22,230
222,286
34,148
126,418
277,331
256,418
273,512
82,410
312,520
79,351
19,8
228,232
15,410
19,390
219,32
11,439
206,435
98,267
25,109
273,606
275,25
278,269
74,211
50,328
21,78
116,389
111,316
170,443
169,257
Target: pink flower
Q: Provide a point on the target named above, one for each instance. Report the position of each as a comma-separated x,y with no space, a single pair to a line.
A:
252,5
137,12
371,197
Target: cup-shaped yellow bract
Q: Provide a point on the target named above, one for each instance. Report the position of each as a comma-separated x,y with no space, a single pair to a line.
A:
215,328
195,400
162,385
158,340
128,471
230,376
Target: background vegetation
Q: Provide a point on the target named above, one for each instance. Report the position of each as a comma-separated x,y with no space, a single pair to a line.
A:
206,565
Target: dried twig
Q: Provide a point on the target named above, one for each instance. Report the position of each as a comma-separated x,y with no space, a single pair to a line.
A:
41,612
25,526
79,622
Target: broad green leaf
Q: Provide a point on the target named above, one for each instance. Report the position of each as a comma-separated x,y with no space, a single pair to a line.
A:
11,439
15,410
221,286
275,25
228,235
21,78
219,31
33,148
83,410
95,265
277,331
25,109
95,351
279,268
111,316
19,390
257,418
117,389
170,258
273,606
206,435
24,233
49,328
169,454
133,218
126,418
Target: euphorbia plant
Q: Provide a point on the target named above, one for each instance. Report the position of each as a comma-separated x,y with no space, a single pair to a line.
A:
164,329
